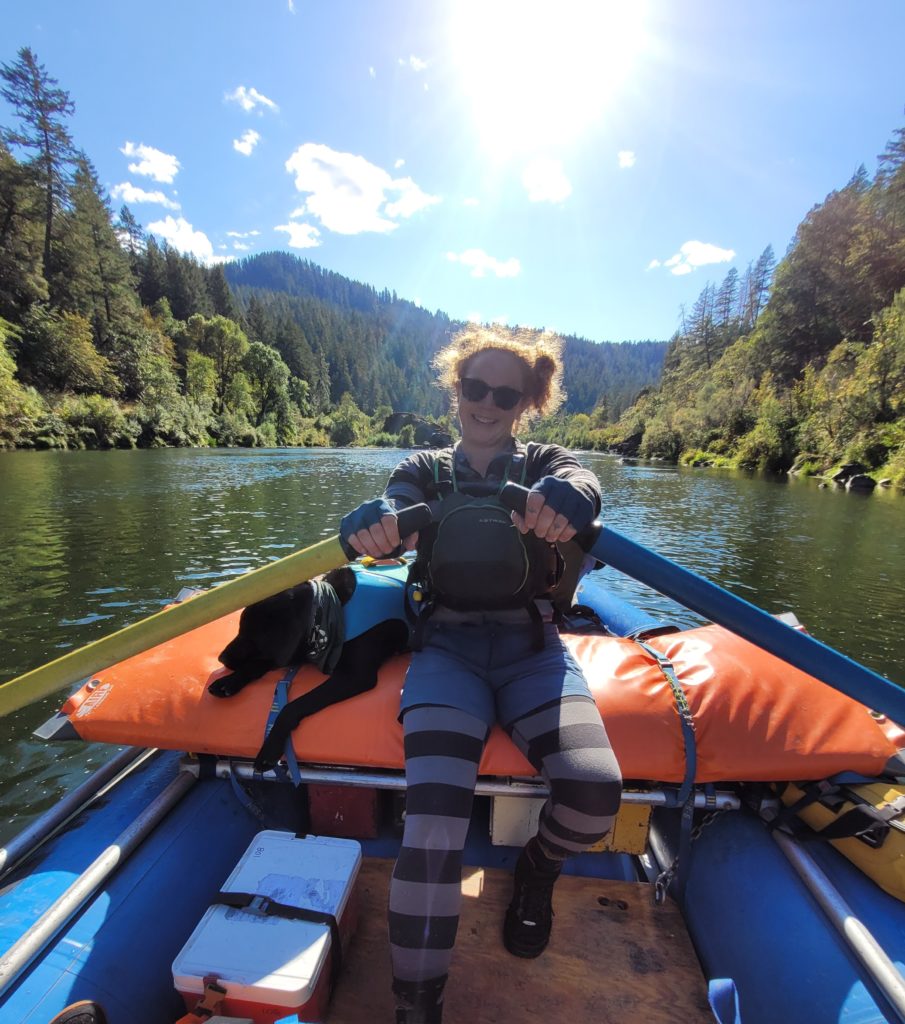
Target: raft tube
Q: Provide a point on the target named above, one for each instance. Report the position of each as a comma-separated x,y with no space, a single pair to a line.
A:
756,718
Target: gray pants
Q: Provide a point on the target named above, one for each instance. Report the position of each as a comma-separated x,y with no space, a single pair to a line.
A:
566,743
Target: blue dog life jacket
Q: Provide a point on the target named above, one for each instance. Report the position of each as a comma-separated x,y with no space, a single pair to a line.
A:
379,595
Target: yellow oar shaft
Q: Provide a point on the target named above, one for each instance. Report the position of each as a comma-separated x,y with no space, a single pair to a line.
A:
171,622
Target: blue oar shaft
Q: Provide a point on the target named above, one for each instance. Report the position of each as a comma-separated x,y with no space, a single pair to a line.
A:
750,622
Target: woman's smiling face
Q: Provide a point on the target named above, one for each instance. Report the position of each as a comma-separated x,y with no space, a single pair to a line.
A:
484,423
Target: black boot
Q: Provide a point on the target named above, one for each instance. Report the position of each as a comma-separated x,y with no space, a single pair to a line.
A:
526,929
419,1002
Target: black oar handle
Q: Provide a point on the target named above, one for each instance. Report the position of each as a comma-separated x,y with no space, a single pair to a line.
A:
514,497
412,519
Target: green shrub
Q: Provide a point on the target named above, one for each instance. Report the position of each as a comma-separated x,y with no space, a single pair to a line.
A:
232,430
177,424
383,440
868,448
267,435
94,421
660,441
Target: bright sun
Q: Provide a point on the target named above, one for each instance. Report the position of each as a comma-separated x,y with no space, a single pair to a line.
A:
538,73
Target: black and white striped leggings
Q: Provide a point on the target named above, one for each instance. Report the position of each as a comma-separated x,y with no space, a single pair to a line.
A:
565,742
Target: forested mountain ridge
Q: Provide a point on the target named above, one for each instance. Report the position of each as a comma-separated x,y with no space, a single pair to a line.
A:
398,338
800,366
108,337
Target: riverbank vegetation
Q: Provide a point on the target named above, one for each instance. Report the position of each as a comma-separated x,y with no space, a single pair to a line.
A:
109,338
798,367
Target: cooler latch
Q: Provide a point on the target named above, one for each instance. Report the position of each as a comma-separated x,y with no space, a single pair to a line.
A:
208,1005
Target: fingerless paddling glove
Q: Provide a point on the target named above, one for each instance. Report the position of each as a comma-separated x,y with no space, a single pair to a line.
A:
567,500
368,514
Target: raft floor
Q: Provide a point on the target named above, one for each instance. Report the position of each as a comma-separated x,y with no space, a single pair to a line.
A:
613,956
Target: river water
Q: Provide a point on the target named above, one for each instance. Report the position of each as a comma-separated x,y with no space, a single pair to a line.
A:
91,541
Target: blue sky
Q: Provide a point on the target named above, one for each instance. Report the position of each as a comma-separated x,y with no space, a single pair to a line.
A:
585,167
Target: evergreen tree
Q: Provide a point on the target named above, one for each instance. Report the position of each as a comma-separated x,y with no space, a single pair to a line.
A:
725,305
131,235
21,279
42,108
259,324
94,277
152,278
186,285
223,302
760,281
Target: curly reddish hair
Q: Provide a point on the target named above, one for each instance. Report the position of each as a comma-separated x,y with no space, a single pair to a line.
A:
539,352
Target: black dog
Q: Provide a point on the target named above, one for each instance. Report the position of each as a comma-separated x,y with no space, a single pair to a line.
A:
276,632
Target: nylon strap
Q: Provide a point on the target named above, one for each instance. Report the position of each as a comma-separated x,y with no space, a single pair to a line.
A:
861,821
686,718
280,700
686,791
264,906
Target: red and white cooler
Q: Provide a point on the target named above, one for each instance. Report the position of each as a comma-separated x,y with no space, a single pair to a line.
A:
270,963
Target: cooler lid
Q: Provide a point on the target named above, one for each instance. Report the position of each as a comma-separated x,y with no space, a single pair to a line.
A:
272,959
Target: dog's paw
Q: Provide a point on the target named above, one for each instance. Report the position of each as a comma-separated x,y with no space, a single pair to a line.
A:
225,686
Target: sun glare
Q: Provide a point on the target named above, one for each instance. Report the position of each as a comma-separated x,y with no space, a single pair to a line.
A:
540,74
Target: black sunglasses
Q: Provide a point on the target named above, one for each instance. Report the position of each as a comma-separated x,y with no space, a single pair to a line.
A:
503,397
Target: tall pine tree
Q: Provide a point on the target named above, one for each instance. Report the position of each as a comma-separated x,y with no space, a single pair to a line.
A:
42,108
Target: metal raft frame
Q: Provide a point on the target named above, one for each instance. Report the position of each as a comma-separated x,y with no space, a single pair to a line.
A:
488,785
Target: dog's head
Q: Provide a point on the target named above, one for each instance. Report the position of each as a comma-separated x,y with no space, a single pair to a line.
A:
273,632
343,582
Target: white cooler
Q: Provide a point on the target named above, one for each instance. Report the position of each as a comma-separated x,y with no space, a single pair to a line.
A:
273,966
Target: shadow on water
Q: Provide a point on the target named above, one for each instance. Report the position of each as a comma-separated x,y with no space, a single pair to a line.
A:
91,541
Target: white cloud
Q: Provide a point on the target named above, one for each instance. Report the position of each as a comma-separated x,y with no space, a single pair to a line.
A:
627,158
474,318
471,201
301,236
348,194
413,62
371,72
399,163
545,181
241,246
182,236
152,163
692,255
291,7
242,234
130,193
481,263
411,199
247,142
250,99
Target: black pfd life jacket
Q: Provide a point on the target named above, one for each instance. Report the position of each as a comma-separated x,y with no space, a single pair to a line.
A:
472,557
